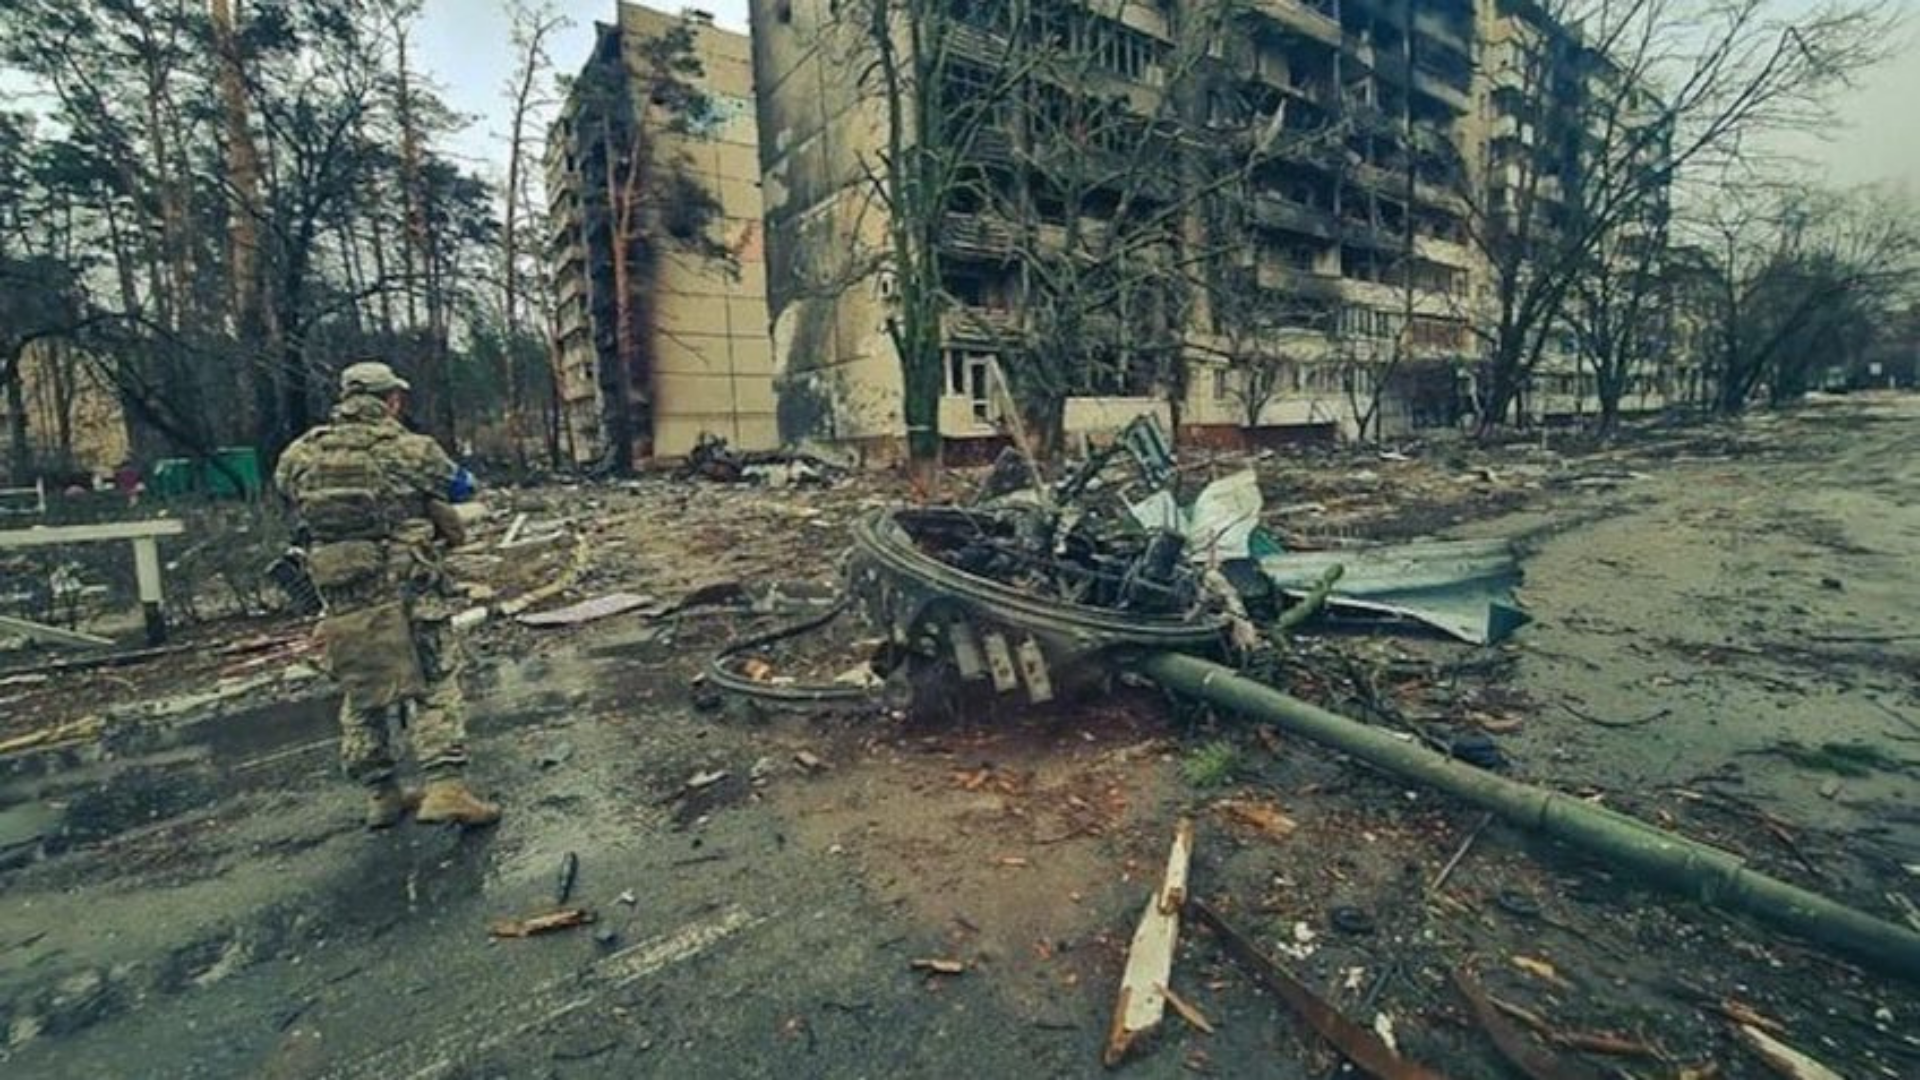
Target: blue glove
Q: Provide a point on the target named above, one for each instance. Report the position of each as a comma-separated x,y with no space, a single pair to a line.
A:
462,486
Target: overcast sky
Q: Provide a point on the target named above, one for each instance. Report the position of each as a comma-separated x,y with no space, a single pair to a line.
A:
464,44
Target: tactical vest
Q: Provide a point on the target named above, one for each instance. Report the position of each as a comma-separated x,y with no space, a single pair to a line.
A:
346,493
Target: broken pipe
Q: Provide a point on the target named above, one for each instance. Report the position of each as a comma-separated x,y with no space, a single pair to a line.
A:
1685,866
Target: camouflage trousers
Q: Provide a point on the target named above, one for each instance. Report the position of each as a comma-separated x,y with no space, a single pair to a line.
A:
434,719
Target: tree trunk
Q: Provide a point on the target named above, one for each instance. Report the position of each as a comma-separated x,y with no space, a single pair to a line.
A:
622,204
380,274
414,251
922,372
536,32
243,240
20,448
1609,394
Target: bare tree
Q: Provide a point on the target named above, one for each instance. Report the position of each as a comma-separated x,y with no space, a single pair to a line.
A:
1601,105
1803,277
1045,158
944,76
1617,312
531,28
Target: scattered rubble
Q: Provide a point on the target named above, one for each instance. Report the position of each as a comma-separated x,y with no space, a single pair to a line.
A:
1041,825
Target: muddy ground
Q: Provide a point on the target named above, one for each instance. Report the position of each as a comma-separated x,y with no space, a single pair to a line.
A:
1725,644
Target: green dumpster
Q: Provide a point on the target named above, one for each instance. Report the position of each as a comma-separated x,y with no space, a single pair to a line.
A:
240,475
171,477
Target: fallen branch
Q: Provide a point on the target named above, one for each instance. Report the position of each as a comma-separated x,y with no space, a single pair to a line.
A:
141,656
71,731
1465,846
1357,1044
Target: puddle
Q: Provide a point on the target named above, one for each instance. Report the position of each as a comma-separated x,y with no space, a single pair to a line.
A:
152,774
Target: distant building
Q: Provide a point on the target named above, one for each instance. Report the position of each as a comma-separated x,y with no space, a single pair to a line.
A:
1553,100
703,361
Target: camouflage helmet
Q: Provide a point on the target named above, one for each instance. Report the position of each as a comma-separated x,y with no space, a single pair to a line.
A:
370,377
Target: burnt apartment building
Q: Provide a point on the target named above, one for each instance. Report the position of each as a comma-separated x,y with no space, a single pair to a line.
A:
1569,131
696,352
1303,158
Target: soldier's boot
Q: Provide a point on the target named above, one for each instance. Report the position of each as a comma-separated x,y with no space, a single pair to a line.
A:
448,800
389,802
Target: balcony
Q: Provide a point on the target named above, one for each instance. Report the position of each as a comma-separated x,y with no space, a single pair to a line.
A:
973,43
1307,90
1388,181
991,146
1377,237
1302,283
1441,30
1443,251
977,235
1306,16
1511,129
1369,117
1274,212
1315,148
971,323
1441,88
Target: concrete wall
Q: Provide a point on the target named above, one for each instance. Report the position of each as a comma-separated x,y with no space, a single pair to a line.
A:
711,359
836,372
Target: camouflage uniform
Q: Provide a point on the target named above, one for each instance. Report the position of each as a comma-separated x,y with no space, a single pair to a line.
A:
374,495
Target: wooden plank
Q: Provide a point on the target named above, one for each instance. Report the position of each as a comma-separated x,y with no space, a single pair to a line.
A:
53,635
48,535
1187,1011
1781,1058
1143,998
1173,888
1360,1046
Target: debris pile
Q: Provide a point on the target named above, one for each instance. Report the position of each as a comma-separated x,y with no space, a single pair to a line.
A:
712,459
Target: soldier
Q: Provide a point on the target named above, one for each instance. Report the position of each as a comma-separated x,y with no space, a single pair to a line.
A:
378,502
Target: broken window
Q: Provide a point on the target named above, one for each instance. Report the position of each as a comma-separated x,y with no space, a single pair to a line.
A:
968,374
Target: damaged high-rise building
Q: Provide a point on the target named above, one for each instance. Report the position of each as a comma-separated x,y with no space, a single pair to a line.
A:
1254,218
1226,213
655,247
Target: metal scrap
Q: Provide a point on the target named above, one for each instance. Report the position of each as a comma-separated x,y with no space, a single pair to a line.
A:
1461,587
